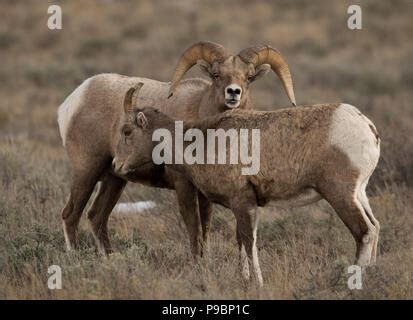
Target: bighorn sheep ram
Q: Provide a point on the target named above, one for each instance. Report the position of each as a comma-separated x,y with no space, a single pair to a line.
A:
306,153
89,116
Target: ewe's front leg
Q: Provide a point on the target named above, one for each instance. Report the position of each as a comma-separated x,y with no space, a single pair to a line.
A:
243,258
247,224
188,205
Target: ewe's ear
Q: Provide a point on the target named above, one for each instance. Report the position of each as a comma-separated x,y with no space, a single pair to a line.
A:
141,120
260,71
204,66
131,97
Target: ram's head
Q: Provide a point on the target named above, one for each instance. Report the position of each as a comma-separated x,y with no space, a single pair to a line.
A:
231,75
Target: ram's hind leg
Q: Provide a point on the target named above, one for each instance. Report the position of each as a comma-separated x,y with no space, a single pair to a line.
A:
83,182
205,211
342,193
108,194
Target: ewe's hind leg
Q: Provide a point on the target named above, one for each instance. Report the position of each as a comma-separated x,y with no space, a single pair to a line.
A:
343,197
362,196
83,183
108,194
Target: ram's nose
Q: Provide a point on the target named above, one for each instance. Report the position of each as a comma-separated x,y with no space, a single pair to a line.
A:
233,94
233,91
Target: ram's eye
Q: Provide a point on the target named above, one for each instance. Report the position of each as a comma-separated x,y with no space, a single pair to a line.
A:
216,76
250,78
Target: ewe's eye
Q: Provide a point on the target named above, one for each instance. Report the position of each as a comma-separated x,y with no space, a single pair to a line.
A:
127,132
216,76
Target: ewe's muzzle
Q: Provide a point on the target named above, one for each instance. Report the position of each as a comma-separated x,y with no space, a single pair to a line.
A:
118,168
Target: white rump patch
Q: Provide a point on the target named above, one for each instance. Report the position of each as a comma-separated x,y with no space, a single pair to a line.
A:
351,132
69,107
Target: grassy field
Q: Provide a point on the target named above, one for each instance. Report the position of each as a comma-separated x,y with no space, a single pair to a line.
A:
304,253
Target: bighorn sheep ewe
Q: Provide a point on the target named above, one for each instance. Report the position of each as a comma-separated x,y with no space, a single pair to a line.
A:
88,120
307,153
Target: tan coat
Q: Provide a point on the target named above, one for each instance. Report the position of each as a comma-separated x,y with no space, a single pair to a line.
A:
306,154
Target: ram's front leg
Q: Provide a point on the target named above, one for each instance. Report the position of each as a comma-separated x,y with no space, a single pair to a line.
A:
188,205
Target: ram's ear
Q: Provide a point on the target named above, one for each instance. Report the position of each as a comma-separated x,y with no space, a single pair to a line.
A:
131,97
204,66
260,71
141,120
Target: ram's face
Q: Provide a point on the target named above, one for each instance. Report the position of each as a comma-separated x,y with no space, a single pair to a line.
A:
231,79
230,74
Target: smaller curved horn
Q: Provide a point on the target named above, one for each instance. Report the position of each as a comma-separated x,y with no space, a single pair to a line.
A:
131,96
265,54
208,51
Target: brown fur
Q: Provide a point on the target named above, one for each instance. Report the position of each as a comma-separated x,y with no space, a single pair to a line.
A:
297,161
90,136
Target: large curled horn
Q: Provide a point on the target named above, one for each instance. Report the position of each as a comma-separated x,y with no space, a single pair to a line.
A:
265,54
208,51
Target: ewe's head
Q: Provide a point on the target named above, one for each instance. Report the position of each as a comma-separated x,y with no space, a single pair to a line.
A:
133,150
231,75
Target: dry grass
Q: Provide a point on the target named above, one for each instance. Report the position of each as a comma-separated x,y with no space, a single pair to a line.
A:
305,253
